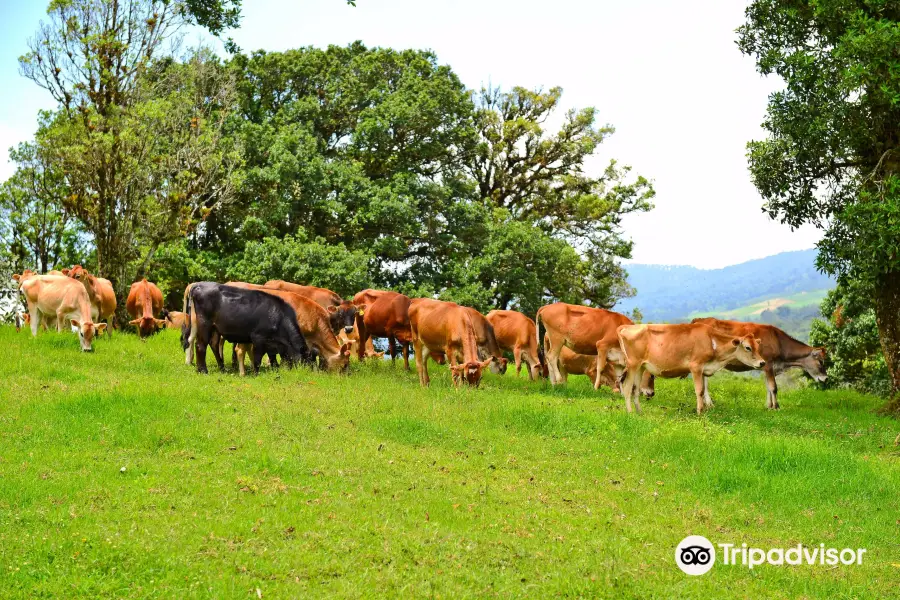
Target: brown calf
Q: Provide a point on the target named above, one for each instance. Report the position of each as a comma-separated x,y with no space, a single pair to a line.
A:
516,333
445,327
101,293
679,350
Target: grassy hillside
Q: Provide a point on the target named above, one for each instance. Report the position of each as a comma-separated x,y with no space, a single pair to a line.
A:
125,474
666,293
753,309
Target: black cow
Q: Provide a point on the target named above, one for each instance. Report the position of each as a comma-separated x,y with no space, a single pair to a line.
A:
241,317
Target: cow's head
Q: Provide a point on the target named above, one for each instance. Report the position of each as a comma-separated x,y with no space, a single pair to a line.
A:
86,333
78,272
470,372
746,350
343,316
340,362
20,279
498,367
148,325
814,364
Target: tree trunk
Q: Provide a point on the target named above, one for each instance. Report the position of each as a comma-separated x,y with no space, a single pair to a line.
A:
887,314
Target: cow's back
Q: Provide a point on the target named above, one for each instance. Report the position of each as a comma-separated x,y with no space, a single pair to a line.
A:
511,328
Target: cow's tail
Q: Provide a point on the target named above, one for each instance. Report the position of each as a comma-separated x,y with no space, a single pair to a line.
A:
537,333
189,327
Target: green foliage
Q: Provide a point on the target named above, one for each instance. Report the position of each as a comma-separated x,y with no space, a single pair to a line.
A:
850,333
315,262
833,153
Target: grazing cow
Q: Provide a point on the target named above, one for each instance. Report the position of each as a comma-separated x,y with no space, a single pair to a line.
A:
342,313
584,330
516,333
571,363
314,324
64,298
384,314
241,316
780,351
679,350
446,327
145,299
487,341
174,319
101,293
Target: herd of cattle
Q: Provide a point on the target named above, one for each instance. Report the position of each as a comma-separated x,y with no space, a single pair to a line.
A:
305,324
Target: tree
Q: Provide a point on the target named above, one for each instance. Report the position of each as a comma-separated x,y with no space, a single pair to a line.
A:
137,134
850,333
832,156
539,178
35,230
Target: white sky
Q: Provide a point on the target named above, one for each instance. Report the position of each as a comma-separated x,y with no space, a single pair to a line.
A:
666,74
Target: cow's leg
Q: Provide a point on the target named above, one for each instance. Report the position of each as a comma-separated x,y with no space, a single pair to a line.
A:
238,351
273,358
707,400
61,321
363,337
202,342
392,348
602,348
218,348
258,352
648,384
699,388
771,388
404,347
421,364
628,386
36,317
552,349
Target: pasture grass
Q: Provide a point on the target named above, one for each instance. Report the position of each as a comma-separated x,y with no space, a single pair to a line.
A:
300,483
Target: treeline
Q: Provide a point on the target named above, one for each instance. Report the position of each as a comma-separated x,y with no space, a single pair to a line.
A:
346,167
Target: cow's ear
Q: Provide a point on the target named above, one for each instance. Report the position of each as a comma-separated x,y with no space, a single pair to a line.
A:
361,311
101,327
457,368
75,323
16,277
160,322
487,362
758,341
735,342
345,349
332,309
66,272
135,322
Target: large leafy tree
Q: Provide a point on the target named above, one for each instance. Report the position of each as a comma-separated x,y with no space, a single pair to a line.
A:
539,177
137,134
832,157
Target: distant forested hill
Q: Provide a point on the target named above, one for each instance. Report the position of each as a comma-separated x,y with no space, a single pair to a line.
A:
745,291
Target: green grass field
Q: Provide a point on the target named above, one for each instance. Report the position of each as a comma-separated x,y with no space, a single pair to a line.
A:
123,473
753,309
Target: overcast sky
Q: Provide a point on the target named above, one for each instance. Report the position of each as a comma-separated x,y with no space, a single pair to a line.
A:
666,74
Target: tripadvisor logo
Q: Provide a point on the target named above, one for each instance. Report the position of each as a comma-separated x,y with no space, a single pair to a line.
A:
696,555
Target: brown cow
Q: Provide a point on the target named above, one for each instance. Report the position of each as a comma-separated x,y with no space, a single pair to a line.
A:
66,299
313,321
679,350
445,327
584,330
780,351
384,314
571,363
101,293
516,333
342,312
487,341
145,301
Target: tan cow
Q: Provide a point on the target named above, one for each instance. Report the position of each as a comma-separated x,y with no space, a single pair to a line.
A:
342,313
487,341
175,319
313,321
679,350
64,298
584,330
145,299
101,293
445,327
780,351
516,333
